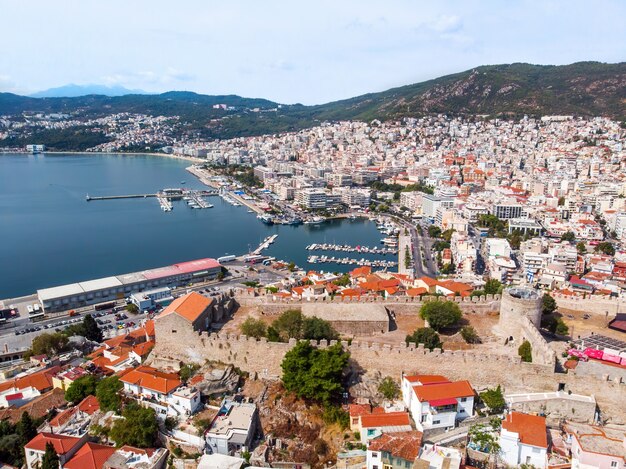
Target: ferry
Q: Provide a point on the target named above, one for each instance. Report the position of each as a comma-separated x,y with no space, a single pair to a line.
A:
267,219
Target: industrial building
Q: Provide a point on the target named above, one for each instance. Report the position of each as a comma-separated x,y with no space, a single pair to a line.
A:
100,290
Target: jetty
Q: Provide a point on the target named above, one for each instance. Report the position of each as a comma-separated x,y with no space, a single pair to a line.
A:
348,248
265,244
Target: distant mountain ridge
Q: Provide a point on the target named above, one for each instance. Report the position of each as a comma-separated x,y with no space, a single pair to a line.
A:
74,91
513,90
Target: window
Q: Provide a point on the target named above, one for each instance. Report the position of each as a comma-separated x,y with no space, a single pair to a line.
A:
435,422
173,331
374,455
375,466
464,399
613,463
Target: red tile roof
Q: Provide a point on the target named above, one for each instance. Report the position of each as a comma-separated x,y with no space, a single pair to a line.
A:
436,391
189,306
62,443
390,419
152,379
530,428
89,405
40,380
90,456
427,379
404,445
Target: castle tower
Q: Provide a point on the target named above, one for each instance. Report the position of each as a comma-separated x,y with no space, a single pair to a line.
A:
515,303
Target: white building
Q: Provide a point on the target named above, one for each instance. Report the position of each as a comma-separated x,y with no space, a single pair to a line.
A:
439,457
147,299
435,402
311,198
233,428
524,440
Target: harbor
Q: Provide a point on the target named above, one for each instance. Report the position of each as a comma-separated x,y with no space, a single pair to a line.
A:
350,261
193,198
348,248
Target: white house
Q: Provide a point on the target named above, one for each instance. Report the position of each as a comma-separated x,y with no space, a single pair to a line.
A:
65,447
233,428
435,402
162,391
524,440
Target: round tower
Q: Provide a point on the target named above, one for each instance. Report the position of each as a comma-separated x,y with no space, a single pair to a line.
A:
515,303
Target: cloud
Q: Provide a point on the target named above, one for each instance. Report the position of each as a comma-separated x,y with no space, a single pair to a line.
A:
169,76
282,65
446,24
8,85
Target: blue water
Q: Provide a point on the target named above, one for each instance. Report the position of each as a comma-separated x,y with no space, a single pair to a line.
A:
49,234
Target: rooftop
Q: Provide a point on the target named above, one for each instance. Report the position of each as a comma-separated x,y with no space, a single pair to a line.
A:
405,445
189,306
531,429
238,417
602,440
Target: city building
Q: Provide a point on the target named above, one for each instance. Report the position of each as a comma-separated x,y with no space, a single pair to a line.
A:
311,198
233,429
524,440
394,450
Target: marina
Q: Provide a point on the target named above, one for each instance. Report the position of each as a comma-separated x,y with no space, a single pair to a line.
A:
267,242
351,261
193,198
348,248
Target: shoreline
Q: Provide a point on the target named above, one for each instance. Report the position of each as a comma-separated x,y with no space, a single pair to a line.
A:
103,153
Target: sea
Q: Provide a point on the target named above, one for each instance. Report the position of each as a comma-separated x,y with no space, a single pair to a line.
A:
51,235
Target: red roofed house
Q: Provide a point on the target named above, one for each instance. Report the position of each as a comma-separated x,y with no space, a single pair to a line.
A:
435,402
162,391
371,426
524,440
90,456
65,446
394,450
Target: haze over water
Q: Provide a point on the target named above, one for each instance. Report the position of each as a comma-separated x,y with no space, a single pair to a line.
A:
49,234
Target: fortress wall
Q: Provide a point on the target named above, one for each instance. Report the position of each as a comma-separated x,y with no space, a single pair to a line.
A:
542,353
263,358
596,304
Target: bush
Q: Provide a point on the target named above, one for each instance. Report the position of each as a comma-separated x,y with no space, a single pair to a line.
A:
494,399
253,328
187,371
440,314
335,414
426,336
469,335
388,388
526,352
493,287
548,304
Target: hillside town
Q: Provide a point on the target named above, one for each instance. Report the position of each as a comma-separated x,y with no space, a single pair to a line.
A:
496,339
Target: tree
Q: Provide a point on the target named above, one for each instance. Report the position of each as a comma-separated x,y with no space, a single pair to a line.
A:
447,235
388,388
50,458
26,428
469,335
561,328
253,328
132,308
291,267
92,331
561,201
548,304
343,281
581,248
49,344
313,373
440,314
526,352
289,324
138,428
568,236
494,399
81,388
434,231
426,336
605,248
493,287
107,393
317,329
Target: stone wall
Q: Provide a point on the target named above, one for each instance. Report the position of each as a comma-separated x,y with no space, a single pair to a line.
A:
269,304
600,370
263,358
542,353
598,305
555,406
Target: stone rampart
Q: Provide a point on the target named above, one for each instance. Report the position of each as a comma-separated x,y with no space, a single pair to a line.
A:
542,353
404,305
483,370
596,304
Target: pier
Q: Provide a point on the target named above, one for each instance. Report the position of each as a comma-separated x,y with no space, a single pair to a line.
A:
265,244
350,261
165,195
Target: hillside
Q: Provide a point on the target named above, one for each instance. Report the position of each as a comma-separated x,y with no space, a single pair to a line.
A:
581,89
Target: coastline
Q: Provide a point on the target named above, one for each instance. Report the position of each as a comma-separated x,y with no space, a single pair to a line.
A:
101,153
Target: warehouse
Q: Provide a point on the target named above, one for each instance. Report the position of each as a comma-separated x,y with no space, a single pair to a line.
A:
76,295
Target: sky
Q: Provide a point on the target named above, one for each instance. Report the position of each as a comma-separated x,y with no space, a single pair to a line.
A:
289,51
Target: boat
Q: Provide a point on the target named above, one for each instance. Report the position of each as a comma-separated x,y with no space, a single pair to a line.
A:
267,219
182,182
250,211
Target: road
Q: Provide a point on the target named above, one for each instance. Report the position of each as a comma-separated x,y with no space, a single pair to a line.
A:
423,265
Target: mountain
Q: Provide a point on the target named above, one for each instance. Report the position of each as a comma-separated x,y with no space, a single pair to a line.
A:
513,90
583,89
73,91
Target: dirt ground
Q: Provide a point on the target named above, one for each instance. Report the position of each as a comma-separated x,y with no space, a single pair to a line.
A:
580,327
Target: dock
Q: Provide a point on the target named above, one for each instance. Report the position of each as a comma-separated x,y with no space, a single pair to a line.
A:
347,248
265,244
